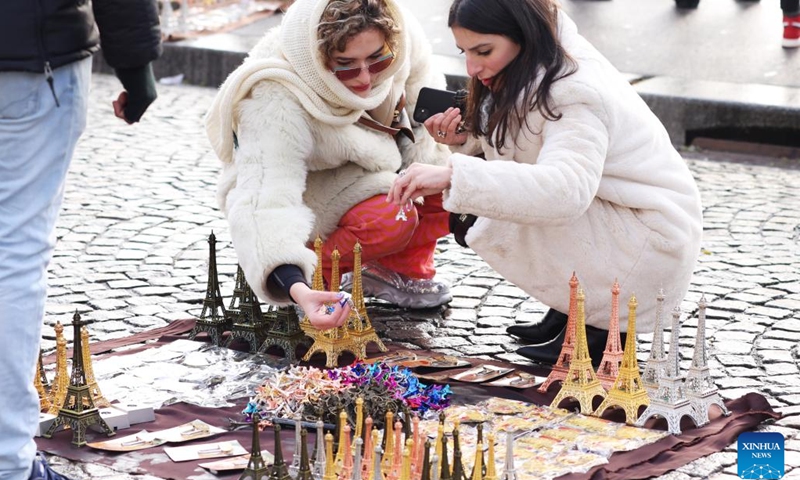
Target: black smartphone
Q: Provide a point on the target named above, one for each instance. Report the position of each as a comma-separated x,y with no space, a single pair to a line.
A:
432,101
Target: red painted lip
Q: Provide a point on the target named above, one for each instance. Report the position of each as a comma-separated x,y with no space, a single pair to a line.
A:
361,88
486,81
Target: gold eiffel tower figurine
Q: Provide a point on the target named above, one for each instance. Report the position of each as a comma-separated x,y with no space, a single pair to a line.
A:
561,367
332,342
79,411
317,283
358,324
628,392
44,395
612,356
97,395
58,392
581,382
213,319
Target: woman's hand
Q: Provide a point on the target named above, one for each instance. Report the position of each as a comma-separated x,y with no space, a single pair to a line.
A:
443,127
324,309
419,180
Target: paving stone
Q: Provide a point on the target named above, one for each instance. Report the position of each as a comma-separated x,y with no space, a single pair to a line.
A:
461,314
483,349
496,301
469,291
496,312
494,322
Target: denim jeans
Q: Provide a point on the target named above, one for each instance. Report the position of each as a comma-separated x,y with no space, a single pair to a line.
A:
37,140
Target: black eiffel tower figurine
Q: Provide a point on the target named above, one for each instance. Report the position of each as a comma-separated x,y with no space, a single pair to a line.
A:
79,411
213,319
256,468
249,323
239,290
304,472
285,332
458,465
279,469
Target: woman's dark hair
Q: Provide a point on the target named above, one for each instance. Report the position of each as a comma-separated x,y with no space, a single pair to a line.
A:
533,25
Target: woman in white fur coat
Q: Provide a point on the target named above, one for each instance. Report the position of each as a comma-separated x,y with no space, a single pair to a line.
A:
579,175
311,131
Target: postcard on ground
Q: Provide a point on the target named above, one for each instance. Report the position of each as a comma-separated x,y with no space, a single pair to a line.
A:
518,380
234,463
205,450
137,441
188,431
480,374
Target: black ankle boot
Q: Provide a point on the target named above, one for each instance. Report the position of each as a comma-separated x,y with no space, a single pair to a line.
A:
545,330
547,353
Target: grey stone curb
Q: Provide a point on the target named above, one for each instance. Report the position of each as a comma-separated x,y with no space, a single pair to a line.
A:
681,105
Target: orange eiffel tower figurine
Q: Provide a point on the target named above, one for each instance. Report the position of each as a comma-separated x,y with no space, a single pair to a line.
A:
628,392
359,325
581,382
561,367
612,356
58,392
44,395
91,381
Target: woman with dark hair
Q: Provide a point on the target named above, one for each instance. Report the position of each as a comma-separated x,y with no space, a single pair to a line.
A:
311,130
579,175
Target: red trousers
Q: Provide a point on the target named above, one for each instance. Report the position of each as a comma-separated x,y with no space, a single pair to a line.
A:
402,246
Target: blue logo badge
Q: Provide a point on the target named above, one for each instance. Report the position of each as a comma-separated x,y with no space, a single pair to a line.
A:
760,455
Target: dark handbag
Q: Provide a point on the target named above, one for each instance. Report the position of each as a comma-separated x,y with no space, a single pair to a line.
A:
459,226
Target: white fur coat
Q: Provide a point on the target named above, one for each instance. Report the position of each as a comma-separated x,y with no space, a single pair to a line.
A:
293,176
600,192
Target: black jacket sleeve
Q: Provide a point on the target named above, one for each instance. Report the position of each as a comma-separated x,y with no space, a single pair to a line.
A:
130,35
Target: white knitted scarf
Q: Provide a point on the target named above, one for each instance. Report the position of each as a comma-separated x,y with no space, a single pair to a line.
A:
300,67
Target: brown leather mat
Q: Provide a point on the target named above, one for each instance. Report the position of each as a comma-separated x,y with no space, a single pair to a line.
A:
655,459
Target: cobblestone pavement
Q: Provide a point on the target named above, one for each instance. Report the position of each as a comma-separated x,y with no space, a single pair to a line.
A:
140,204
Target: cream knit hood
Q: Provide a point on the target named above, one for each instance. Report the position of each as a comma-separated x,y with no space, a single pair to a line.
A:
299,67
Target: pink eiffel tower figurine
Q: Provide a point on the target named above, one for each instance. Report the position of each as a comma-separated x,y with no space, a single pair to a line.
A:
612,356
561,367
700,387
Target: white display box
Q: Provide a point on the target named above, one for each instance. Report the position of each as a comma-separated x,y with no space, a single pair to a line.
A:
115,418
45,421
138,413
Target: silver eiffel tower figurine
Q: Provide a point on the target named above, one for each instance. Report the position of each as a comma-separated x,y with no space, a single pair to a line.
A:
319,463
668,400
509,471
295,466
657,362
700,387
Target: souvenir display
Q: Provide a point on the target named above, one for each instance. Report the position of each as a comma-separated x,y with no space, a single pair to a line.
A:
312,392
78,411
